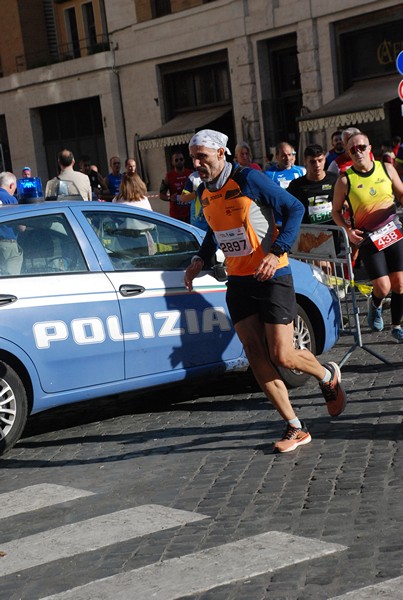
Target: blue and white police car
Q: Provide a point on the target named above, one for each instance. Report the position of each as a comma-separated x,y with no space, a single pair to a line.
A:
92,304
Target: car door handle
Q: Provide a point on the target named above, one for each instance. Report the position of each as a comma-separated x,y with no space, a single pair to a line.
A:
131,290
7,299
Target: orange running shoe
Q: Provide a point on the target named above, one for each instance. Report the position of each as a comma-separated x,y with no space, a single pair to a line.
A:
333,392
292,438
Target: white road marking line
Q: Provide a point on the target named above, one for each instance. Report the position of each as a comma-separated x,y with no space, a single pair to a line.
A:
205,570
387,590
37,496
89,535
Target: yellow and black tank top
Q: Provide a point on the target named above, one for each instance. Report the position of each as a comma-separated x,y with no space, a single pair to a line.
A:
370,196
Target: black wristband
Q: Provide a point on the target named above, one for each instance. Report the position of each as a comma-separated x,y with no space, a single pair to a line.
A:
277,250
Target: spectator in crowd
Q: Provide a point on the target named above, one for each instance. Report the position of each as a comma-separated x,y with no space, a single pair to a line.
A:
10,251
172,186
343,161
97,182
371,188
337,148
26,172
284,170
269,161
130,166
80,181
243,156
189,195
260,291
8,183
132,190
114,178
387,154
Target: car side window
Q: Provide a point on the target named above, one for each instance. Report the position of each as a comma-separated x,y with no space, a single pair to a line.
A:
138,243
42,245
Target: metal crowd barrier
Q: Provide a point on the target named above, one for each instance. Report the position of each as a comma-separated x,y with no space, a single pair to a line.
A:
316,244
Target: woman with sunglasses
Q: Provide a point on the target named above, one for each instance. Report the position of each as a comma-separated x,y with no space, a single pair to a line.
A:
371,189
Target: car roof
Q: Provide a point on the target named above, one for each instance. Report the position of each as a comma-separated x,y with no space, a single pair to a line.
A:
36,206
8,210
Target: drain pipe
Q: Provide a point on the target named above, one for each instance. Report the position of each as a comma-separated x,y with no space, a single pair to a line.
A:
115,70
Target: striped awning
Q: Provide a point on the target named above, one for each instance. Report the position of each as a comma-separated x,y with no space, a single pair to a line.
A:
181,128
363,102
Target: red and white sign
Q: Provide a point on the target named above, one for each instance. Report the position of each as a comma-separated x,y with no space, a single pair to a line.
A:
400,90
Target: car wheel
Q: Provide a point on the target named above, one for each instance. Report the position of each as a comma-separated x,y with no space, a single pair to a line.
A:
304,337
13,407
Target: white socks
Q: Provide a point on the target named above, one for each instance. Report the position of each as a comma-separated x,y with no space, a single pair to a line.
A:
295,423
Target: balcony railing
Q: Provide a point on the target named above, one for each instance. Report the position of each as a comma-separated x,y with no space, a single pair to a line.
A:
63,52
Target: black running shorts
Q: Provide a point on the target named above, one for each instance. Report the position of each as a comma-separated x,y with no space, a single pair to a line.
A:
379,263
273,300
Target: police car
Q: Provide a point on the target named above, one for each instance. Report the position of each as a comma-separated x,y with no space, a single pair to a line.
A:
93,304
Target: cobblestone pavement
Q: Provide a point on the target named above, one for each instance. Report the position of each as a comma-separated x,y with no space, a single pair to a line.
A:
210,453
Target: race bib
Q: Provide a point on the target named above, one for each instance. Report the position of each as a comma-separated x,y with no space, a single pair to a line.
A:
386,236
234,242
320,212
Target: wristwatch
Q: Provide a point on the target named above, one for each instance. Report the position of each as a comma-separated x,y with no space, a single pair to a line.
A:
277,250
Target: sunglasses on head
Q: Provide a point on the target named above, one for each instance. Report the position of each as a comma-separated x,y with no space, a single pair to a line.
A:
361,147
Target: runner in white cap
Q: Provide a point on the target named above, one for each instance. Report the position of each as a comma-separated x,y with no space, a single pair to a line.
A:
239,205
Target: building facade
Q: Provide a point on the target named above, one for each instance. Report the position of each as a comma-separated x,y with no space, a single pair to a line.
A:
138,77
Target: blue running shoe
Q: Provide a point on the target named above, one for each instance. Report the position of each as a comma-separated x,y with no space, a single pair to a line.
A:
375,320
397,334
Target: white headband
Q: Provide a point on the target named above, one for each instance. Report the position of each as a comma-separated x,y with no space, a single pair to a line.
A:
210,139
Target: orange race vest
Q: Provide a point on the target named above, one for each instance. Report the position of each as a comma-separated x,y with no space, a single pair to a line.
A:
230,215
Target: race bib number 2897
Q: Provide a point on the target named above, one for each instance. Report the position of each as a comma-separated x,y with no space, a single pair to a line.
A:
234,242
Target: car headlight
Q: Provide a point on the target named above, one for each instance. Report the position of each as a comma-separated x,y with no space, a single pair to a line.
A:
320,275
